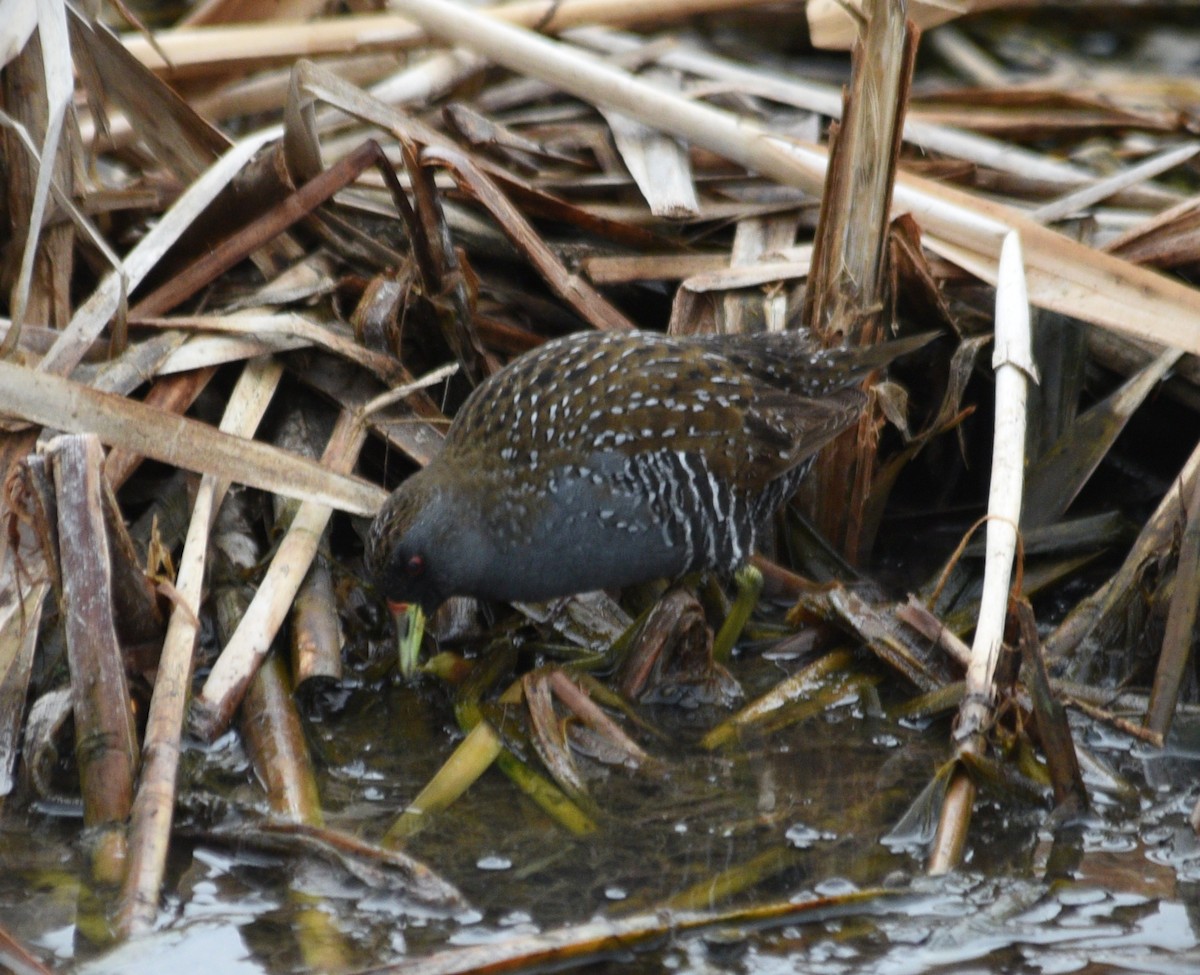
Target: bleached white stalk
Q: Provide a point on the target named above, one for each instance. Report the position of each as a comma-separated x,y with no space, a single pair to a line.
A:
1013,362
826,99
1102,189
1014,366
154,805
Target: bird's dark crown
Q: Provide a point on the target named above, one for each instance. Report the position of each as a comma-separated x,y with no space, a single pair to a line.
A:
398,557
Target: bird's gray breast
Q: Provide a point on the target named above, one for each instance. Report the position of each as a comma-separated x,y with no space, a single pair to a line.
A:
616,520
591,525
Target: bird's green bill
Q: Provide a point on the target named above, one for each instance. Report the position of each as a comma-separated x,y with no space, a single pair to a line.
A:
410,628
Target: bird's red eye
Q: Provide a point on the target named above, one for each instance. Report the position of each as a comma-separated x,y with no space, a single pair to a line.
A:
416,565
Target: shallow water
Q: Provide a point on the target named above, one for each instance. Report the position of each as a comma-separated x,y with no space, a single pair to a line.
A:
1119,891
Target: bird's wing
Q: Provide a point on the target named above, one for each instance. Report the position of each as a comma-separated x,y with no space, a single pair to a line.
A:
782,431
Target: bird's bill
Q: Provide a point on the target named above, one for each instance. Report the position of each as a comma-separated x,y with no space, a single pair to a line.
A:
410,628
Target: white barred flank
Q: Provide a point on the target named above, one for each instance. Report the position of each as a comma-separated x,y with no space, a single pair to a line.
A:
693,507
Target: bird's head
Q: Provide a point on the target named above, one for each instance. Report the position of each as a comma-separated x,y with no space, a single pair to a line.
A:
404,558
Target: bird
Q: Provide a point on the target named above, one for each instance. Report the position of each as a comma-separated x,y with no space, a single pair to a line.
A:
601,460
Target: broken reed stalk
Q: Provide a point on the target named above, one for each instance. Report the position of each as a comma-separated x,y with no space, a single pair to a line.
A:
472,757
438,264
1062,274
1167,239
109,298
548,732
844,287
251,324
547,736
20,619
28,570
136,614
552,800
54,254
893,644
214,706
315,632
316,644
660,165
833,26
1181,624
105,740
799,686
62,404
171,394
1050,717
154,807
420,882
591,305
1087,196
269,723
259,232
124,373
1013,362
1068,647
844,299
274,737
42,290
1056,477
598,940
